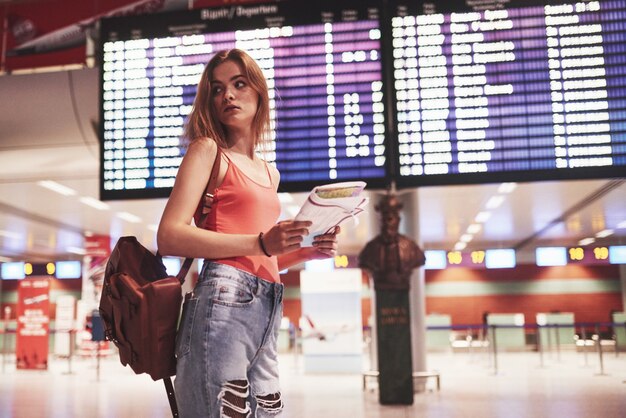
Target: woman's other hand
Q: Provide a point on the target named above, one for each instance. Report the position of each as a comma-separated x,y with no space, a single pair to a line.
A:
326,245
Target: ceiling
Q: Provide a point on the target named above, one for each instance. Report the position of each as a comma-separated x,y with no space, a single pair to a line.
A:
47,133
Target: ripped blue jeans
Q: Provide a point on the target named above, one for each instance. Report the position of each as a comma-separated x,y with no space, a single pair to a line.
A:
226,353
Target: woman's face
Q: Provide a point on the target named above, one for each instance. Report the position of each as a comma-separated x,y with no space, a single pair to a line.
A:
234,99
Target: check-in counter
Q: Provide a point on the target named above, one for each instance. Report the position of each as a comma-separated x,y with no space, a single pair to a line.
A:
556,329
620,330
7,339
509,330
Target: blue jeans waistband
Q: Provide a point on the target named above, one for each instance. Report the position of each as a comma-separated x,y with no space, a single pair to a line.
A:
211,269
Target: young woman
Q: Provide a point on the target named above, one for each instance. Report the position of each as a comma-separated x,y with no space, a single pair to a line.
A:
226,348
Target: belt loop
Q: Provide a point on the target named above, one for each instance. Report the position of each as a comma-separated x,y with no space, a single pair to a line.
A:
278,291
205,263
202,272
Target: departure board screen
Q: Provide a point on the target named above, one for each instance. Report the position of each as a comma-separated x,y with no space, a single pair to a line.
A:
490,91
323,66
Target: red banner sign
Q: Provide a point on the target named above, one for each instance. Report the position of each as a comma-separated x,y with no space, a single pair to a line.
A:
33,320
56,32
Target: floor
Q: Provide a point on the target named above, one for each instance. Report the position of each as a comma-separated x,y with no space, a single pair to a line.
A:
568,385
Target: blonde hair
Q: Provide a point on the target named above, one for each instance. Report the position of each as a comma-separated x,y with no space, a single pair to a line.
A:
203,121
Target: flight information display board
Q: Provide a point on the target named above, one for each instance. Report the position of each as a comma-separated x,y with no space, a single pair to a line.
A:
323,65
521,91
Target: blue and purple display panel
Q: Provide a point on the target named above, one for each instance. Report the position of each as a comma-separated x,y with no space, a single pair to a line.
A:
524,91
323,67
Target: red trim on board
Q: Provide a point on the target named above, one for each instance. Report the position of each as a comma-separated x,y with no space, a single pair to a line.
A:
524,272
595,307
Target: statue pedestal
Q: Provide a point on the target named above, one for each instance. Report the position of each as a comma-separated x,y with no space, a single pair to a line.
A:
393,325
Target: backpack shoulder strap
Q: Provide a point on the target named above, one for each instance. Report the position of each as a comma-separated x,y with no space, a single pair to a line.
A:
206,201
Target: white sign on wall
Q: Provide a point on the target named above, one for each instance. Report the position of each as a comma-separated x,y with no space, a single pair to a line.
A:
64,323
331,324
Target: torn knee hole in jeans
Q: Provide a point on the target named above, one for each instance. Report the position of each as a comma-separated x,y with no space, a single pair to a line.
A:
270,403
233,396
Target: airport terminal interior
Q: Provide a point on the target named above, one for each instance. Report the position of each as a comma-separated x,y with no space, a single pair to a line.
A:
498,127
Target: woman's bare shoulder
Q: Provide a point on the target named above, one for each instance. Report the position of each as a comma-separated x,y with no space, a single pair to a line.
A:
203,147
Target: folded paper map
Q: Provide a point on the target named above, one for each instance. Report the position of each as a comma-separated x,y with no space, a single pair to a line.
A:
331,204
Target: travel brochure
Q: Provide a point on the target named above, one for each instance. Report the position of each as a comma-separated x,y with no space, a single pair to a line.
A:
330,205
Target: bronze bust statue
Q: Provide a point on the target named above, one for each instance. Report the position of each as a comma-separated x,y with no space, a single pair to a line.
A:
390,257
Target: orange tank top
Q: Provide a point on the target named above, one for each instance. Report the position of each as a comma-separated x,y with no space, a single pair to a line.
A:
243,206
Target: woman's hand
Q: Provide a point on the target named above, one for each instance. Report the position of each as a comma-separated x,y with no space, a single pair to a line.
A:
285,236
326,245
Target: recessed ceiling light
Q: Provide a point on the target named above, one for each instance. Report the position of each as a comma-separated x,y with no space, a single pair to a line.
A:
482,217
94,203
586,241
621,225
494,202
605,233
474,228
466,238
507,187
58,188
10,234
128,217
459,246
76,250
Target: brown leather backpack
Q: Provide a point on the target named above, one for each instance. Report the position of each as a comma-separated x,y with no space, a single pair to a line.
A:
139,306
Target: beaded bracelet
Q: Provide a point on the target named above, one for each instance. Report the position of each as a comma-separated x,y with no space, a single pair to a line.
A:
262,244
